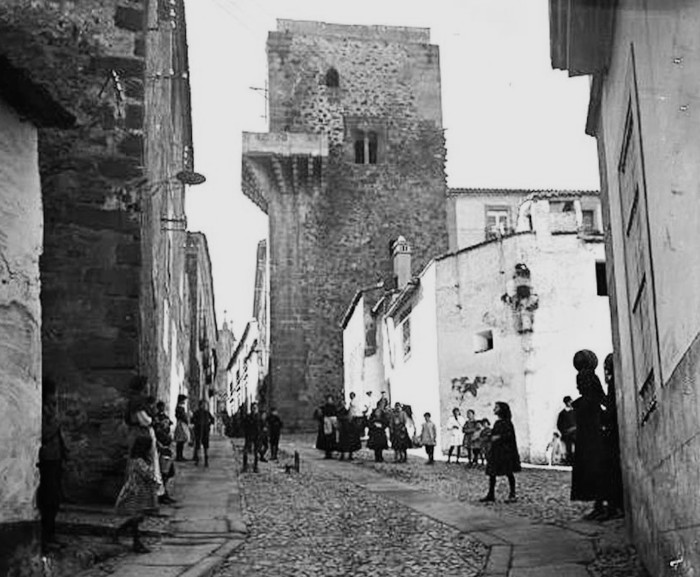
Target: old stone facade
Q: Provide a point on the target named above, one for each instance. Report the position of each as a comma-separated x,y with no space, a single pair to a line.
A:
23,107
112,276
643,60
202,329
369,98
495,321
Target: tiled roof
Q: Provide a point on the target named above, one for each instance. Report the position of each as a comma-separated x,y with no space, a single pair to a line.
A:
540,193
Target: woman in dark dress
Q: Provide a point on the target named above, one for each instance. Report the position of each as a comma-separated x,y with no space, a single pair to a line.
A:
503,457
348,438
376,441
588,472
327,416
611,441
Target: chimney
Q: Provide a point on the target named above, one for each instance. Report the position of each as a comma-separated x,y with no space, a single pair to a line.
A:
401,253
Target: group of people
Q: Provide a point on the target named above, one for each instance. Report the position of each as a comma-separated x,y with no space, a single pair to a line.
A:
471,435
262,431
340,429
596,473
151,465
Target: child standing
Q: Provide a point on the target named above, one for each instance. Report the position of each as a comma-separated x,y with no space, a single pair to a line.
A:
139,493
428,438
485,438
476,443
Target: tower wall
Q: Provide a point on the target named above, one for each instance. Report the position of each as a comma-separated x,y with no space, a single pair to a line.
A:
327,241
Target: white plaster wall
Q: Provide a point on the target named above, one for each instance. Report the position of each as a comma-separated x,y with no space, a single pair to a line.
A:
571,316
533,371
414,379
469,213
21,237
354,351
469,286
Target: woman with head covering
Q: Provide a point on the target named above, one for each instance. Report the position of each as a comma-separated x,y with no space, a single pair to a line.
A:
182,427
376,427
587,474
400,441
503,458
611,441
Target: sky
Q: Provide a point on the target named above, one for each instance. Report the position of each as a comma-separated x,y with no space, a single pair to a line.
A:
511,121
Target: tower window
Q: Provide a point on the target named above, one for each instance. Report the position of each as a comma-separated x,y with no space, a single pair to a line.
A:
332,78
366,147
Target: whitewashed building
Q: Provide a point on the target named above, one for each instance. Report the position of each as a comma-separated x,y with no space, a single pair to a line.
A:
497,321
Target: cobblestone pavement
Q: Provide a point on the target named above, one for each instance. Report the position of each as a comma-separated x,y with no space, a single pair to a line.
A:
543,498
315,523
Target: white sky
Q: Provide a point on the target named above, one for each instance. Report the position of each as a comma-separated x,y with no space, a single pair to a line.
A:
511,121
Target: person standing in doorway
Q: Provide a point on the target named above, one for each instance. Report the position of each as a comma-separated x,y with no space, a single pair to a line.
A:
566,425
52,455
202,421
503,459
182,427
274,426
455,435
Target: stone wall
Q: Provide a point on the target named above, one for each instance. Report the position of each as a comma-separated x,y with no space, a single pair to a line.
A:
20,336
326,243
654,66
106,260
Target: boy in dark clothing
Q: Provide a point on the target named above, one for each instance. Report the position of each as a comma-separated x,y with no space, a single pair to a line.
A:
252,429
274,425
566,424
202,422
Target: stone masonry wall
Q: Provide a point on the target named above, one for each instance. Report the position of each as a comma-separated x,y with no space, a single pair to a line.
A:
326,243
103,199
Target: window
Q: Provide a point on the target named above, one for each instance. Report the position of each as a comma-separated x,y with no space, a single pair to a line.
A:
497,222
406,332
483,341
366,145
637,256
588,224
601,279
332,78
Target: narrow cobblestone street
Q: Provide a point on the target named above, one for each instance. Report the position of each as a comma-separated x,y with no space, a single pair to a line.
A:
337,518
315,523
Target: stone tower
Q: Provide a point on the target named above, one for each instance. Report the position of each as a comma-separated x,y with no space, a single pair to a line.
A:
354,158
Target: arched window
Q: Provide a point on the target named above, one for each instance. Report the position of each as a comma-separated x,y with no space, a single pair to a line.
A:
332,78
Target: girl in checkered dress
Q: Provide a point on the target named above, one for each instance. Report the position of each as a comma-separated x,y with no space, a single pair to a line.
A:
139,493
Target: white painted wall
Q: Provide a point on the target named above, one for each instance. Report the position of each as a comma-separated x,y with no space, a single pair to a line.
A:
21,229
414,378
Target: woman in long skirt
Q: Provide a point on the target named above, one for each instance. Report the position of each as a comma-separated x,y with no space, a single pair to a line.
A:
503,458
400,441
376,441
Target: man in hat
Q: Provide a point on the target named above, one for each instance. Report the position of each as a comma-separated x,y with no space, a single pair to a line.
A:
182,427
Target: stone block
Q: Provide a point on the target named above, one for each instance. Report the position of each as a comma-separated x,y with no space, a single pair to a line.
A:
126,67
132,145
129,253
121,167
134,117
129,19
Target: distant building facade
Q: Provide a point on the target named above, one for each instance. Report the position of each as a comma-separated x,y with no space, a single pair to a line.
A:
355,155
496,321
245,371
203,362
643,60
